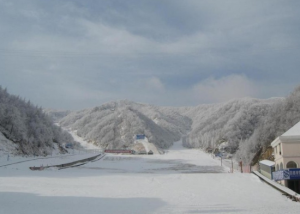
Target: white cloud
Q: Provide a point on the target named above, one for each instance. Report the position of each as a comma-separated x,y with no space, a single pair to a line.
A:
213,90
155,83
104,51
114,40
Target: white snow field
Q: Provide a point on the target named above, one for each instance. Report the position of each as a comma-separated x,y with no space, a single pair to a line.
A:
180,181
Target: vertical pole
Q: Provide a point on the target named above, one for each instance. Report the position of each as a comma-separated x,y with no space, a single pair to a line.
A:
231,166
241,164
221,160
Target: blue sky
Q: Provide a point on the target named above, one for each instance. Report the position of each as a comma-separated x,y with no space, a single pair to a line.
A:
79,54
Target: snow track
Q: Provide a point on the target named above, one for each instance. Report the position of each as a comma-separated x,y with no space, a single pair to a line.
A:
33,160
79,162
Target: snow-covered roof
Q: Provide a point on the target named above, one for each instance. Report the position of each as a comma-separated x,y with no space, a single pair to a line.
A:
267,162
293,132
292,135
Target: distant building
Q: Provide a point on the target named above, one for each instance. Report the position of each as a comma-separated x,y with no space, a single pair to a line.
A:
287,158
266,168
118,151
143,152
140,136
69,145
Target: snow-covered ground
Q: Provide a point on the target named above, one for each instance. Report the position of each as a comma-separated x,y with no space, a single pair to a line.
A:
5,145
180,181
147,145
86,145
83,143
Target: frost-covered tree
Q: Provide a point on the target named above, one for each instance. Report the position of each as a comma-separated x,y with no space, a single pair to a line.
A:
233,122
115,124
28,126
247,124
281,116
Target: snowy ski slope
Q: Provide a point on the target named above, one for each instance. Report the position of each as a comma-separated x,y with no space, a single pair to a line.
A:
180,181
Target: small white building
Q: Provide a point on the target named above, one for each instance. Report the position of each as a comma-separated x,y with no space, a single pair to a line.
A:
287,158
266,168
287,149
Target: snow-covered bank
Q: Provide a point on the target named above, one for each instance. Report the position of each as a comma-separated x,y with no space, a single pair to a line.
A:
6,146
86,145
170,183
147,146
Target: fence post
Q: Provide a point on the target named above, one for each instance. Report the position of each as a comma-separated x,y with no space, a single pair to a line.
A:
241,165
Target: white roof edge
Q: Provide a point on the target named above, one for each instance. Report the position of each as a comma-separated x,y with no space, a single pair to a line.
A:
290,136
275,142
294,131
267,162
290,139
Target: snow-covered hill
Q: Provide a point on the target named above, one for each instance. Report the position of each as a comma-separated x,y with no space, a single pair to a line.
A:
6,146
247,124
115,124
56,115
28,127
144,145
231,121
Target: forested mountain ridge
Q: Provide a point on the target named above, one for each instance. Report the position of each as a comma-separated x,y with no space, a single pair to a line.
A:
281,117
28,126
115,124
232,122
247,124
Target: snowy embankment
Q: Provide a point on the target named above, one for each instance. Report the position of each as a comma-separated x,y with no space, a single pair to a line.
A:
278,186
6,146
8,159
86,145
147,145
181,181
